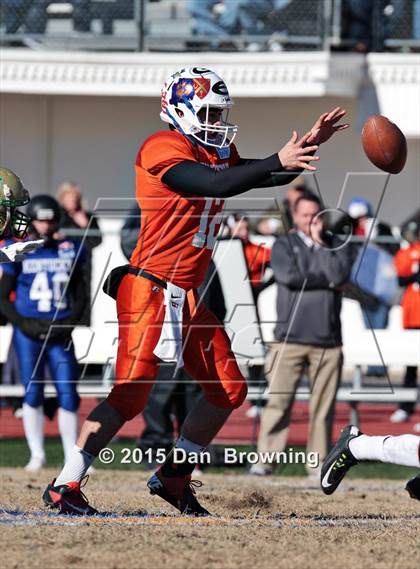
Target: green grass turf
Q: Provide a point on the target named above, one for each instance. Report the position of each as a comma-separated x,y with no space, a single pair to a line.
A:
14,453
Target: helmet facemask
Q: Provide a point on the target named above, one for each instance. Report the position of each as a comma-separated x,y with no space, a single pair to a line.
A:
19,223
218,135
13,223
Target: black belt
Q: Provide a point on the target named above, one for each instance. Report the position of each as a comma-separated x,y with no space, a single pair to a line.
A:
139,272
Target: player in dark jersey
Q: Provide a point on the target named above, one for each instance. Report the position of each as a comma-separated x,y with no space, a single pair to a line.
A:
13,222
49,298
182,179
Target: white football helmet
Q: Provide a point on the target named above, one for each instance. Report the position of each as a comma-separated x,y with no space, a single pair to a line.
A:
186,93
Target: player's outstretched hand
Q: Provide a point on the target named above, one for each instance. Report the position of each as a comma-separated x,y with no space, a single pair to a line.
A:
295,155
17,251
326,126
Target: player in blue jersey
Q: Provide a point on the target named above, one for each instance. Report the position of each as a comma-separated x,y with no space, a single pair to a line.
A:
14,223
49,299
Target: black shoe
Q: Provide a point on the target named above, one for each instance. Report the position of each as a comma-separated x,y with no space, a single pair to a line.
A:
179,492
50,407
68,498
339,460
413,487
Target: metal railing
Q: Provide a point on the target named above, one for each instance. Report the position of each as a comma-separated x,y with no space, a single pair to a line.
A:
225,25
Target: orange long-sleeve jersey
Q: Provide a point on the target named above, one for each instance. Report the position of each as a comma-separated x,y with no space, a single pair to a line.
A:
177,231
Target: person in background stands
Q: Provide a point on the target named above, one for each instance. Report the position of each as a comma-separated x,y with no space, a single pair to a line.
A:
76,217
219,19
407,263
366,225
279,219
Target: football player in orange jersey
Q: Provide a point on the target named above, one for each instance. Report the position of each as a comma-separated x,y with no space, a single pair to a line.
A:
183,176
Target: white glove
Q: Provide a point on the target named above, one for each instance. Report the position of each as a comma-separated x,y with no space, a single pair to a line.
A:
16,251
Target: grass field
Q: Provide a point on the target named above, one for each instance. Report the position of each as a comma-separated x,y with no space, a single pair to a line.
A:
280,522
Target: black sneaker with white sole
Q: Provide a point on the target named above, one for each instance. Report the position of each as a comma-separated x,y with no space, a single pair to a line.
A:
413,487
339,460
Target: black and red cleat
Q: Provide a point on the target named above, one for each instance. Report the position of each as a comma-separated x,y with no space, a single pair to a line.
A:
179,491
68,499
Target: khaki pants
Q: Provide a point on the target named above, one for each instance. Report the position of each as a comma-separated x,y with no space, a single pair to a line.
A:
285,366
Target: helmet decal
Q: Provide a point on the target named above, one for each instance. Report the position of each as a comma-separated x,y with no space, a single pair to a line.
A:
220,88
200,70
183,89
201,86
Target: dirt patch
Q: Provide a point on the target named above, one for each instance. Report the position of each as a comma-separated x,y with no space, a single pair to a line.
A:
255,500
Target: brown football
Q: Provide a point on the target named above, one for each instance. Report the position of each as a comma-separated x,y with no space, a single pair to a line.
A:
384,144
